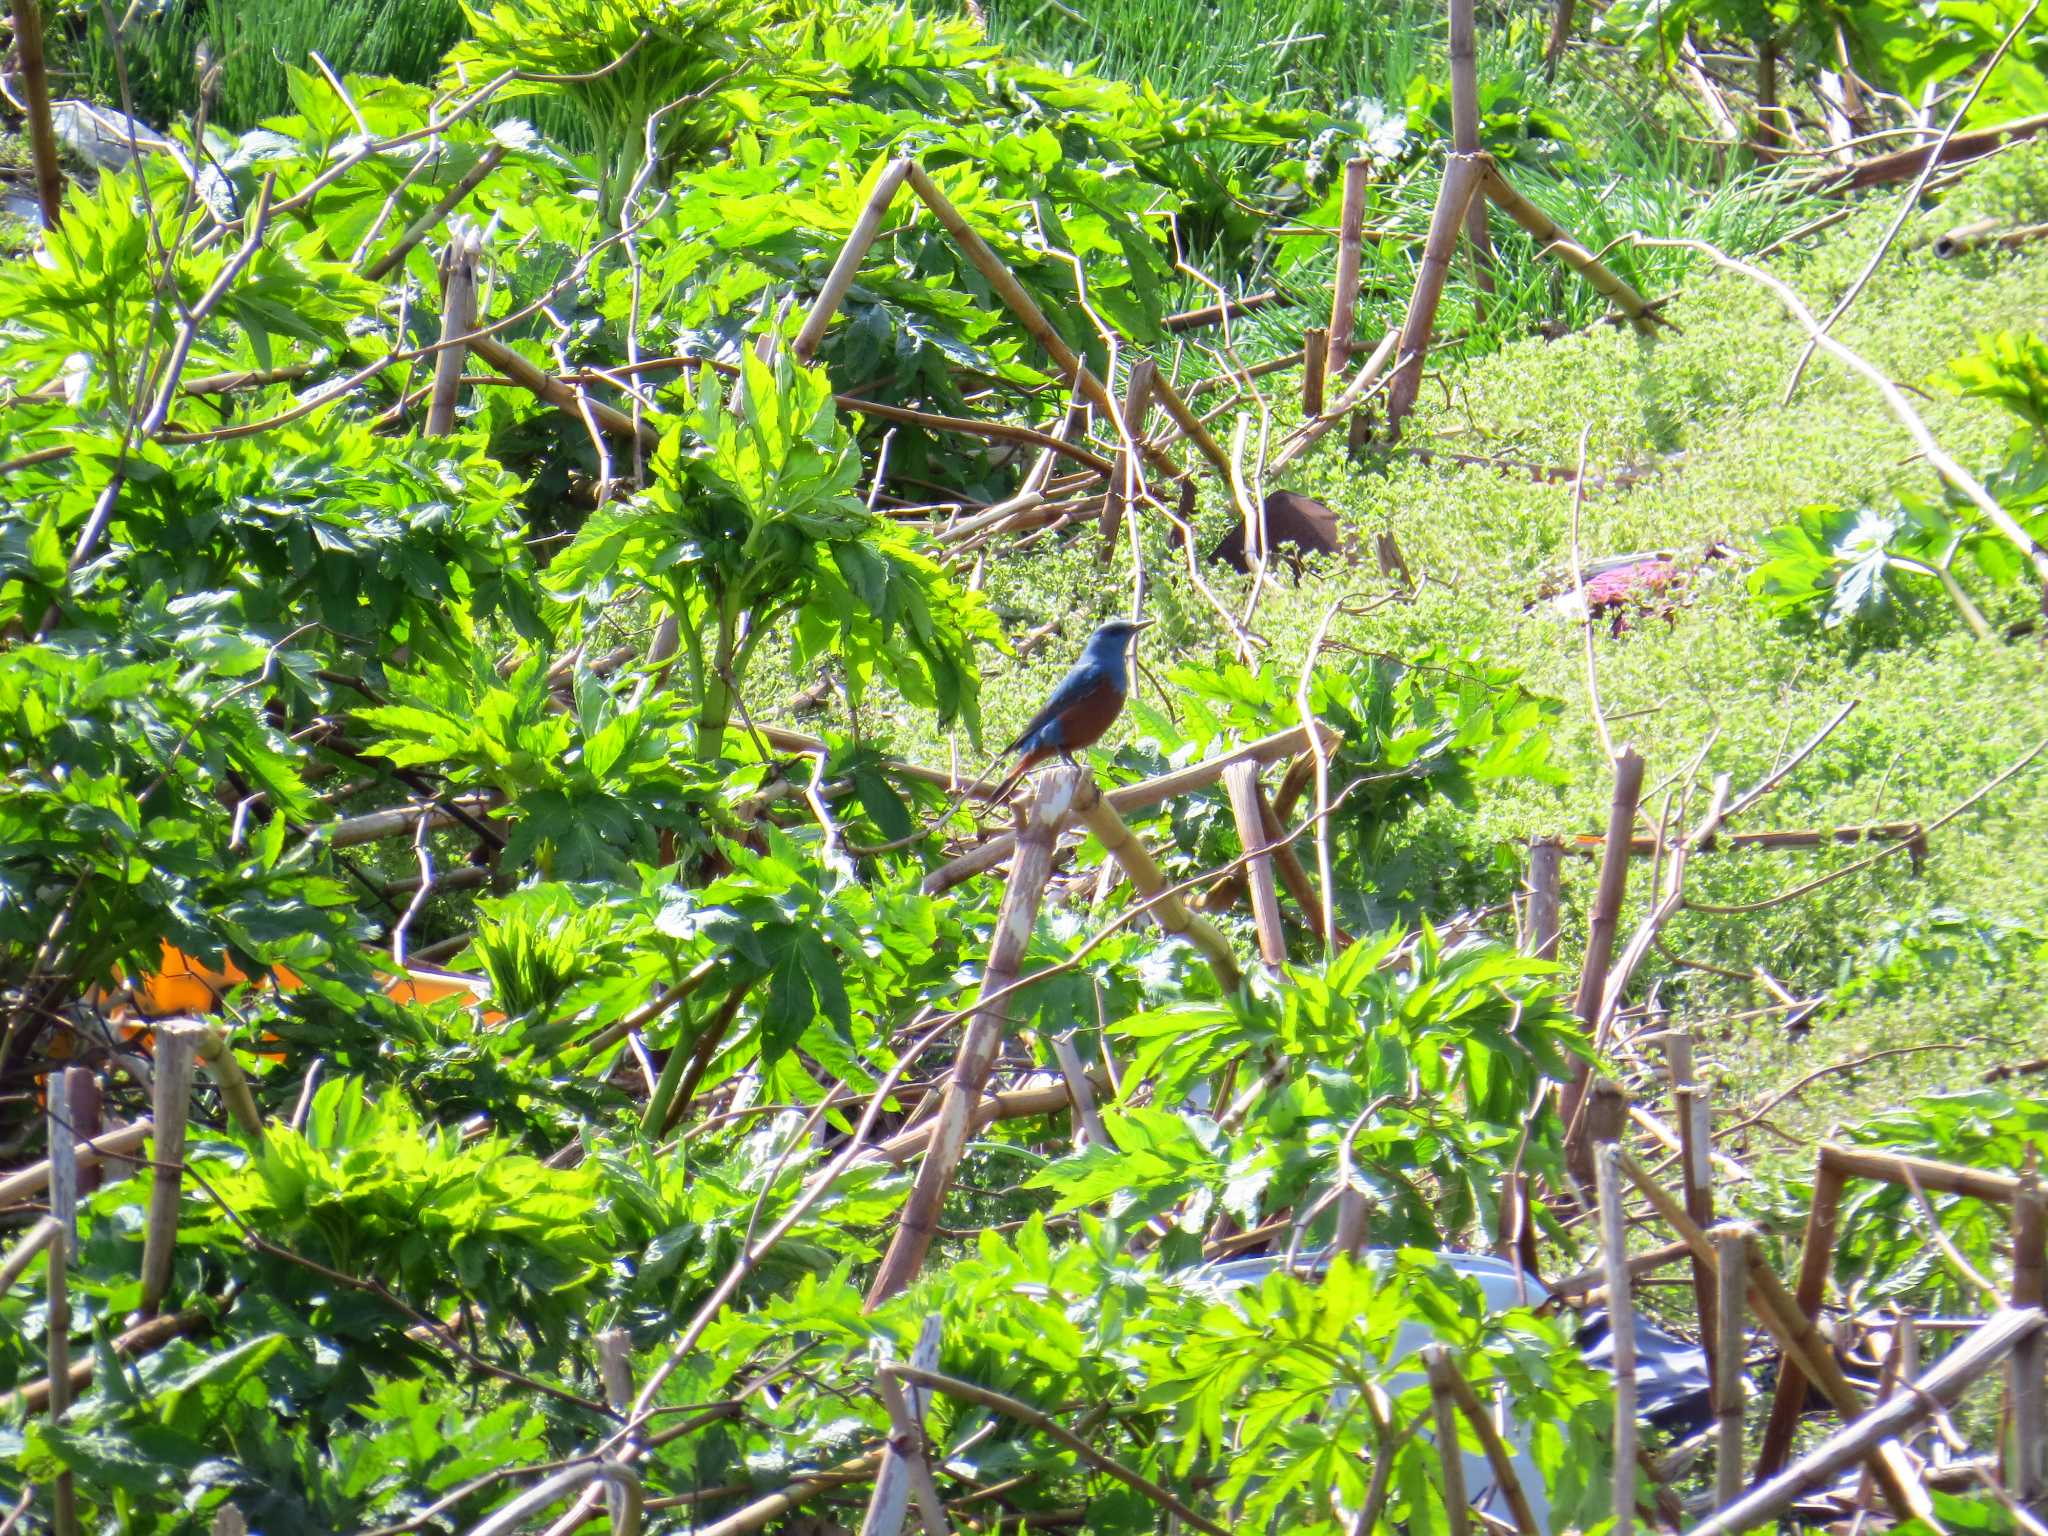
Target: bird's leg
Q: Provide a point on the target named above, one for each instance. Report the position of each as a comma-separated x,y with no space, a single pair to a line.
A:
1068,758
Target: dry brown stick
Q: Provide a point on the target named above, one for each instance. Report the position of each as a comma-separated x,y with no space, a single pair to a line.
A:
1560,34
1024,1413
1465,131
851,255
984,1035
1555,240
896,1481
1988,232
2027,1379
773,1506
1315,343
142,1339
429,221
1370,379
35,88
458,319
177,1046
1866,1434
1463,175
1583,845
1141,796
1172,914
1498,1457
1190,425
1901,1365
1622,1326
1241,781
1216,314
1731,1252
1802,1347
1904,164
1591,1284
1350,249
22,1254
1087,1118
1545,896
1006,1104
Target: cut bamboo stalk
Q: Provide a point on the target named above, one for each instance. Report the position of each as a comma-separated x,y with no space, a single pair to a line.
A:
1312,430
1010,291
1123,475
2027,1472
82,1107
1621,1323
35,90
1465,131
1991,232
1315,360
23,1253
1590,1284
1560,34
1901,1367
1733,1263
1463,175
1241,781
429,221
1557,241
1584,845
1294,874
905,1471
1498,1457
1352,1212
1350,252
1545,896
217,1055
1215,314
1088,1127
1816,1254
616,1476
32,1180
142,1339
1184,417
543,385
458,319
1141,796
1800,1342
1716,104
177,1046
1450,1456
1859,1439
63,1248
1171,913
1695,1142
851,255
1605,919
771,1507
1935,1178
1056,793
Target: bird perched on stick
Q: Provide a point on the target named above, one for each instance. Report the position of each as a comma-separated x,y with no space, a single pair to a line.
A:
1083,706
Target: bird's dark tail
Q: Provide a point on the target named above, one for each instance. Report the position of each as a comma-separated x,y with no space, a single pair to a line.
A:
1008,787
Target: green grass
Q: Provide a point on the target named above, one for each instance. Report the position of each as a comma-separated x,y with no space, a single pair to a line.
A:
254,40
1939,713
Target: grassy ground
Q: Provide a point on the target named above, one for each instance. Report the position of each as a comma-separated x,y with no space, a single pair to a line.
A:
1937,715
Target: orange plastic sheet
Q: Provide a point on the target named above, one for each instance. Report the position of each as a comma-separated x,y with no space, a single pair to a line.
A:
184,986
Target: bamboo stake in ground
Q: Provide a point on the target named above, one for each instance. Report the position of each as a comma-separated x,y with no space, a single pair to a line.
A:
1621,1323
1465,131
458,319
1816,1254
904,1458
1315,360
1350,252
1546,869
1858,1439
1123,476
1695,1142
1557,241
1606,914
1732,1263
984,1036
1462,177
35,89
1241,780
177,1047
2028,1469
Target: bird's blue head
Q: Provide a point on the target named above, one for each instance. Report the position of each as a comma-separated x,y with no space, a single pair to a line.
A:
1110,645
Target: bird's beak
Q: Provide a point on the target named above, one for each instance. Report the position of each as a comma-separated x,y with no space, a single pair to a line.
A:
1144,624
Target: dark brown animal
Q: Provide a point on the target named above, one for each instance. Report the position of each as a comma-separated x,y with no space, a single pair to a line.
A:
1301,524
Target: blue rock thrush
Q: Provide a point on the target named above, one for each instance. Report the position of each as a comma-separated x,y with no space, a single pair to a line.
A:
1083,706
